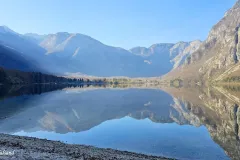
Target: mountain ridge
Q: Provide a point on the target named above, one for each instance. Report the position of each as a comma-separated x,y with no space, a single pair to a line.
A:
65,52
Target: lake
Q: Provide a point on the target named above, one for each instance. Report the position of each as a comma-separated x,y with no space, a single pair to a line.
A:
182,123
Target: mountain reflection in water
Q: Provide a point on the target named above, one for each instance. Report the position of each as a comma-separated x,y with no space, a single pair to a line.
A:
185,123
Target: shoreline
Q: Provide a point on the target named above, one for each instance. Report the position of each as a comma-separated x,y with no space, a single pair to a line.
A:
21,147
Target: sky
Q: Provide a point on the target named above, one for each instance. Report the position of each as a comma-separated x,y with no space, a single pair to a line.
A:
120,23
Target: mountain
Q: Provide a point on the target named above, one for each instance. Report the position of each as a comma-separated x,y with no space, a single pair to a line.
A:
156,56
154,49
36,38
12,59
182,50
6,30
81,53
166,56
31,51
71,44
20,43
218,56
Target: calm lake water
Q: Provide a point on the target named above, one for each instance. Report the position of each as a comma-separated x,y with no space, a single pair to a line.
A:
149,121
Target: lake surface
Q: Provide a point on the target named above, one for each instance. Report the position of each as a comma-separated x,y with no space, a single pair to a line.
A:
178,123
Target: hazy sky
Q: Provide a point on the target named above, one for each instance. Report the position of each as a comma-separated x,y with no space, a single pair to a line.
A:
121,23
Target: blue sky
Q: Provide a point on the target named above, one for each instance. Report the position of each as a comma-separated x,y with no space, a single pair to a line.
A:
121,23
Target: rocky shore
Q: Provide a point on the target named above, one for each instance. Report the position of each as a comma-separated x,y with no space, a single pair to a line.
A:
21,148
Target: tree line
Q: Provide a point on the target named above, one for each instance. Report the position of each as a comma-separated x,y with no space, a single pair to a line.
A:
19,77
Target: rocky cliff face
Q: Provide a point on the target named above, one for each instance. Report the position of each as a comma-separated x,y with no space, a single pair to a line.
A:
238,44
178,48
184,51
217,57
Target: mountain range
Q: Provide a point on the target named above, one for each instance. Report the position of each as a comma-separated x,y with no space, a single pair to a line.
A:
63,53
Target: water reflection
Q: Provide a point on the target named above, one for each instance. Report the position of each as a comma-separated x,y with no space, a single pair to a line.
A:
174,122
